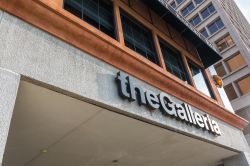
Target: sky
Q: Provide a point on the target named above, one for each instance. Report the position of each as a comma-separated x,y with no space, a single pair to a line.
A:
244,6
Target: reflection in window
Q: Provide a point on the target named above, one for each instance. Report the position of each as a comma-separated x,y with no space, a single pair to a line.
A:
173,4
98,13
197,2
188,9
138,38
196,20
244,85
204,32
231,94
174,62
224,43
235,62
220,69
179,1
200,81
215,26
222,92
207,11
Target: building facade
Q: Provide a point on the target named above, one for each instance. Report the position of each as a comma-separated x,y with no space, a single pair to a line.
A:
223,24
101,82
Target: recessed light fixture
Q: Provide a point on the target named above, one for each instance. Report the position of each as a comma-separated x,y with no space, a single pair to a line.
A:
44,151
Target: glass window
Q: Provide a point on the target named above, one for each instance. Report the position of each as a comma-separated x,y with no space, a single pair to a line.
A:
220,69
222,92
215,26
200,81
190,7
209,10
204,32
224,43
231,94
235,62
98,13
196,20
179,1
173,61
173,4
244,85
138,38
197,2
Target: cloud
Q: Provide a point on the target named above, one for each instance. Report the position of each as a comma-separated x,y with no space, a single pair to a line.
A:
244,7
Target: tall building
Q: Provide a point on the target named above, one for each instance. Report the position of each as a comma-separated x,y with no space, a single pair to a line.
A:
224,25
111,82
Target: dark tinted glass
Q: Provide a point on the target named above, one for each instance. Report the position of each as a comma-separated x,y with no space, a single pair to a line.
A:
215,26
138,38
98,13
174,61
207,11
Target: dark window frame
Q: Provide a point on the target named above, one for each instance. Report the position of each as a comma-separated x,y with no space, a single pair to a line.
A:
179,69
105,8
146,47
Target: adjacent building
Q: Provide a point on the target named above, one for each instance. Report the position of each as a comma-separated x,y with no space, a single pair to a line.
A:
224,25
102,82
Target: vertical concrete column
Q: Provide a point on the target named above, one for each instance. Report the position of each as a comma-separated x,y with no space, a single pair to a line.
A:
9,83
242,159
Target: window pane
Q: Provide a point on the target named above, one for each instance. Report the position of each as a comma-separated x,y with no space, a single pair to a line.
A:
244,85
174,61
204,33
215,26
224,43
74,7
188,9
235,62
231,94
179,1
196,20
173,4
138,38
197,2
220,69
200,81
98,13
209,10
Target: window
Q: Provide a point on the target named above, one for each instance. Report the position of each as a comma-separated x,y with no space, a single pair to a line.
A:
207,11
173,4
98,13
215,26
200,81
224,43
197,2
220,69
231,94
204,32
244,85
190,7
196,20
174,62
179,1
235,62
138,38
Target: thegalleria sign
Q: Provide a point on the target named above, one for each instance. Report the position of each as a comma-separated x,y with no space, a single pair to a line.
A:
162,101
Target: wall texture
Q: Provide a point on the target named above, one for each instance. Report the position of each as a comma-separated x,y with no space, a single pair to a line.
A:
9,83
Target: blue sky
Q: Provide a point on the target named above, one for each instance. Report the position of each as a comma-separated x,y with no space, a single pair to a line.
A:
244,6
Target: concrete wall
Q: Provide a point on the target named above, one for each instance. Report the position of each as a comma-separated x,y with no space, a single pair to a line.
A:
9,83
243,159
38,55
